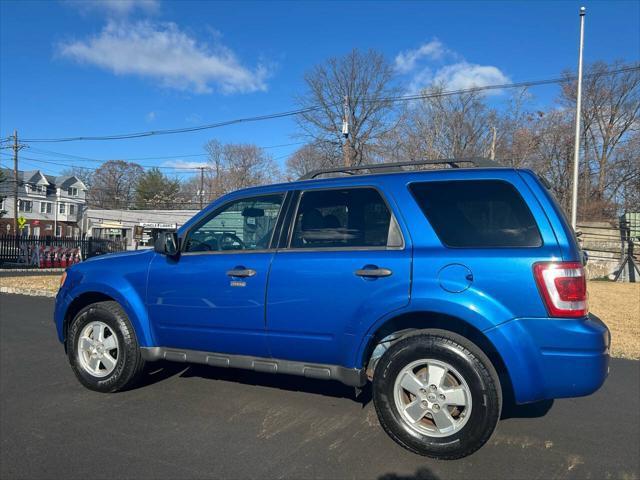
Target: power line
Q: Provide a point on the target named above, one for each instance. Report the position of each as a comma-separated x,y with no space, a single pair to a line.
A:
164,157
31,159
177,130
315,108
532,83
145,167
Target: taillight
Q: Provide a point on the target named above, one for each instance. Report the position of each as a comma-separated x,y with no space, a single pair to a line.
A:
563,286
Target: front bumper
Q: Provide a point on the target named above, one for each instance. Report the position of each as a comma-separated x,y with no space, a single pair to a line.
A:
550,358
62,304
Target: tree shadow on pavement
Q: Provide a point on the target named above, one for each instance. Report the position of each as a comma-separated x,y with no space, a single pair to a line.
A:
156,372
293,383
422,473
160,371
529,410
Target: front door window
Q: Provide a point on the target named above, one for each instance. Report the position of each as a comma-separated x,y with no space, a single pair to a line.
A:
241,225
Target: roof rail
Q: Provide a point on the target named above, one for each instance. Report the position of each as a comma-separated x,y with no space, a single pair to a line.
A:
398,166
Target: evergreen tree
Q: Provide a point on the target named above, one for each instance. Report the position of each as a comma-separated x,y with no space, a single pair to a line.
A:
156,190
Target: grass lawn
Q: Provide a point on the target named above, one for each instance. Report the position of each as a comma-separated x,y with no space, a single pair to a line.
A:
617,304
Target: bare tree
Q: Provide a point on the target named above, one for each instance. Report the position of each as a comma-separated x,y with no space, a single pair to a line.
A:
214,180
365,80
114,184
553,153
308,158
611,116
442,126
515,131
230,167
248,165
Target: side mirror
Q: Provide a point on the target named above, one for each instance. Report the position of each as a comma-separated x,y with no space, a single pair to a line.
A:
167,244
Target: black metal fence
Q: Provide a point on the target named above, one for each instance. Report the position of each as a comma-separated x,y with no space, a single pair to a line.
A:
52,252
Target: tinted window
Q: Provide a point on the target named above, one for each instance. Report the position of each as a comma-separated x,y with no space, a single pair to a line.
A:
355,217
241,225
477,213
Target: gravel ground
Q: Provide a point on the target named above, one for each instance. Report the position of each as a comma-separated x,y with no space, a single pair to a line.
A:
34,282
617,304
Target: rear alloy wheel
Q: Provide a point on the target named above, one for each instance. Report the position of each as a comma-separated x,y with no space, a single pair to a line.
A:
437,394
103,349
433,398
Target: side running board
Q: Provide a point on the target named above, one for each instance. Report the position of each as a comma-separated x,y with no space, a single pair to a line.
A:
354,377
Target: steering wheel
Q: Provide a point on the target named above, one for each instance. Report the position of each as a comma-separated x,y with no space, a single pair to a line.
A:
226,245
199,244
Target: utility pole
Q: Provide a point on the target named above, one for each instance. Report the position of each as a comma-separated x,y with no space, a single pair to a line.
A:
201,186
16,148
576,144
346,147
492,154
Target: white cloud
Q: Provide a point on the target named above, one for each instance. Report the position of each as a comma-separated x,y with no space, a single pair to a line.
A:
465,75
406,61
151,116
184,164
427,66
163,52
116,7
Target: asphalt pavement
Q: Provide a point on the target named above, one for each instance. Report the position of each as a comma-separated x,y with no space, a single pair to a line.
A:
203,422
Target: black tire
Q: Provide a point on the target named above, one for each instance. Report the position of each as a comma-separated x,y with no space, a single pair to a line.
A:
471,363
129,363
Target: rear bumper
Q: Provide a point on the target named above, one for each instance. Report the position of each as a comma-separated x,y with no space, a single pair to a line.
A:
550,358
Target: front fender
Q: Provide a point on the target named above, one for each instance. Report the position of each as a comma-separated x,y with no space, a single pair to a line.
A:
122,278
130,301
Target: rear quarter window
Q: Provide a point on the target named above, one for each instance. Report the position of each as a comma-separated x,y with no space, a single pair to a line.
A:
477,213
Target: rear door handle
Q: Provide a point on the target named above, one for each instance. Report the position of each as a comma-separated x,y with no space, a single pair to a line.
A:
373,272
241,272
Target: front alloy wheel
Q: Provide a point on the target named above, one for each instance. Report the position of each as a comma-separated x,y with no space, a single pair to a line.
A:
98,349
103,349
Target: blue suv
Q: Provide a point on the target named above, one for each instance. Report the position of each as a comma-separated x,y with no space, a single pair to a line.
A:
448,289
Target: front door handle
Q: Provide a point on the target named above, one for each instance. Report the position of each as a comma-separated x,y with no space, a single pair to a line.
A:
373,272
241,272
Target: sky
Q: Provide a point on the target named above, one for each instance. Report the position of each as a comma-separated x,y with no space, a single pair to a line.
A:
80,68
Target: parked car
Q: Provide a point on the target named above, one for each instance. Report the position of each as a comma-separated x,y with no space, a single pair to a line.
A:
450,290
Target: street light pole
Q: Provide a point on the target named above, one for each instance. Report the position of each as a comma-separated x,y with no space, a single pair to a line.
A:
576,144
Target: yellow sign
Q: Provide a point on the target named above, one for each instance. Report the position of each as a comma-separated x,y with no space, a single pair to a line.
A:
21,222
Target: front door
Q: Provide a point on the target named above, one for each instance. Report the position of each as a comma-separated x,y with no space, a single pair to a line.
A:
212,297
344,264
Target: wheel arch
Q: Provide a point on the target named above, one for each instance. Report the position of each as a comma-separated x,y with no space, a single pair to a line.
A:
409,323
133,308
83,300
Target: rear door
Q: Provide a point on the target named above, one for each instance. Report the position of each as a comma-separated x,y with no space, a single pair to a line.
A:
344,261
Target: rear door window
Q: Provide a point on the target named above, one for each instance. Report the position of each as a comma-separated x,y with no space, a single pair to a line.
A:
344,218
477,213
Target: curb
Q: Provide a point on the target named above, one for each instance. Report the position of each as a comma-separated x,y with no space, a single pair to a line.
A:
33,271
33,292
